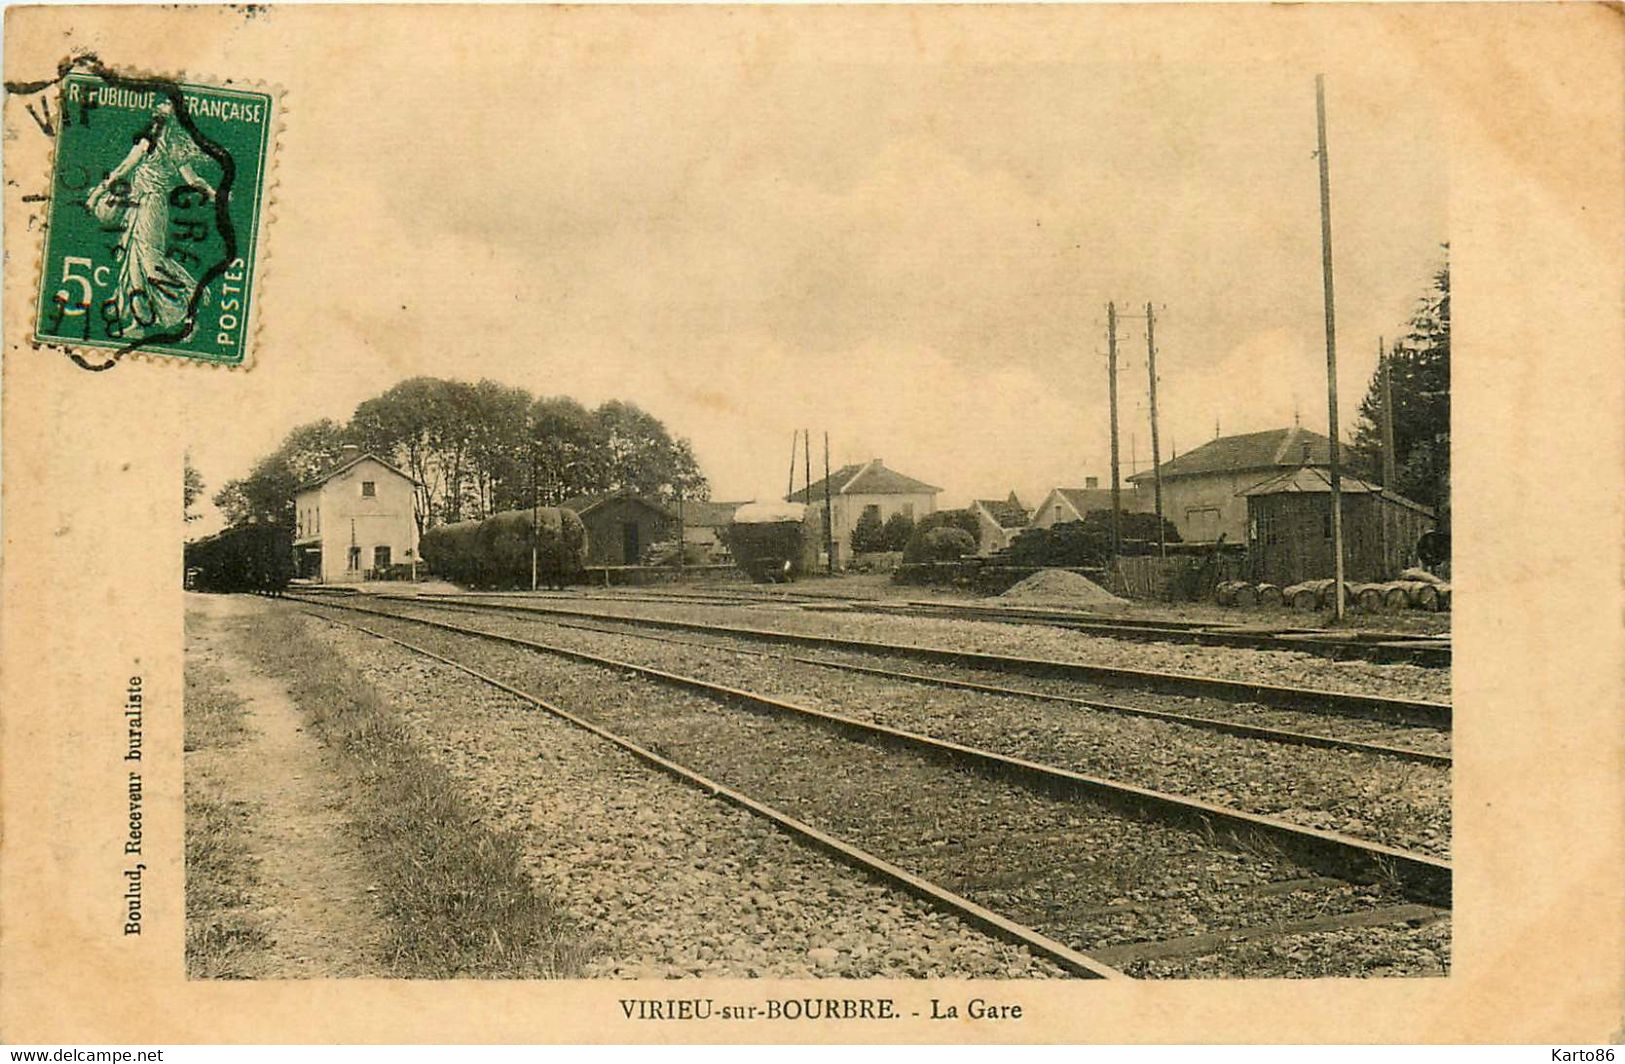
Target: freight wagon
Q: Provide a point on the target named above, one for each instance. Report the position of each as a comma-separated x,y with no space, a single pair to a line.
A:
254,558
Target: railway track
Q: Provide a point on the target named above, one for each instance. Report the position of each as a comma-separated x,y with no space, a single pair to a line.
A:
1242,729
1308,892
1419,876
1411,712
1380,647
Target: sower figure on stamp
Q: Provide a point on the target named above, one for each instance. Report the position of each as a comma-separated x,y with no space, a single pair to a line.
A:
153,288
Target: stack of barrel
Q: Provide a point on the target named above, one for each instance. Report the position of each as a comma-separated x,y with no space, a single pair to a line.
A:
1413,593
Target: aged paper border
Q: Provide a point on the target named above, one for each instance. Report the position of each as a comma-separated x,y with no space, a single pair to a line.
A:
1534,117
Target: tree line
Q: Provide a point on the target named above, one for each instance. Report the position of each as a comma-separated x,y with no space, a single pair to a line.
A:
475,450
1419,378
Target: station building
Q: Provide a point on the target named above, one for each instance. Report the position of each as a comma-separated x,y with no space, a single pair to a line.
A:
355,521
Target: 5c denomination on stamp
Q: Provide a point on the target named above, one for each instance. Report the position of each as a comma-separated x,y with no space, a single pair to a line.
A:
155,205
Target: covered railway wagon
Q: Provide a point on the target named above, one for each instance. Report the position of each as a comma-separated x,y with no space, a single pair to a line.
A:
255,558
496,552
773,541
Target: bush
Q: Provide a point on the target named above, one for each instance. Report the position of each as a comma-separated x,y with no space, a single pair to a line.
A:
1086,543
899,526
868,535
963,520
946,545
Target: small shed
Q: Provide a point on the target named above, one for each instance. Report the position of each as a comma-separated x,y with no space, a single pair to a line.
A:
705,525
622,525
1289,528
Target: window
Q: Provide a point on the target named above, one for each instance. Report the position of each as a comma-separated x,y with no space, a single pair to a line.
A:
1202,523
908,510
380,557
355,558
872,511
1264,528
369,489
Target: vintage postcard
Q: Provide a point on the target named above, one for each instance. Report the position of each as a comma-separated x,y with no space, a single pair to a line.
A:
812,524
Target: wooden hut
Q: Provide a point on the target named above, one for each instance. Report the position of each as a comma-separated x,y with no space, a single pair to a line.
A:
621,526
1289,528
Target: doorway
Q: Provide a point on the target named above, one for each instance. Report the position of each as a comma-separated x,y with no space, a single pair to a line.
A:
631,548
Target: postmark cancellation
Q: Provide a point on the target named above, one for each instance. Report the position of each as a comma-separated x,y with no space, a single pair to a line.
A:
156,203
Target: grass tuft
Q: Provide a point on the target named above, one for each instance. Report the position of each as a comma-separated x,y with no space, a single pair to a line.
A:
223,938
456,896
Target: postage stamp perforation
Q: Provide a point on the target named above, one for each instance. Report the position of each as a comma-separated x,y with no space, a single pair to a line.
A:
269,182
247,239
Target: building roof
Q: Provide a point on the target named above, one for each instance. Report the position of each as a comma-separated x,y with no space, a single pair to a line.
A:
1313,481
864,478
1252,450
345,463
586,504
703,514
1085,499
1006,513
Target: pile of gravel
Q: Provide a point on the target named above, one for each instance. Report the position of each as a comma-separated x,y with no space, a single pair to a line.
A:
1061,587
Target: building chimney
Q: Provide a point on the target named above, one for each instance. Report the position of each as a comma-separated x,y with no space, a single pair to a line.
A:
1091,483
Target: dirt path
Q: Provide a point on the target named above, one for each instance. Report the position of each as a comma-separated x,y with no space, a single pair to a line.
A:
313,893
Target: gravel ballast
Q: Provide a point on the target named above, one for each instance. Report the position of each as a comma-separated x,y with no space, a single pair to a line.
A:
671,883
1398,803
1086,876
1279,667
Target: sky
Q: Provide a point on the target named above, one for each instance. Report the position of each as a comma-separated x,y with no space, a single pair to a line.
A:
912,255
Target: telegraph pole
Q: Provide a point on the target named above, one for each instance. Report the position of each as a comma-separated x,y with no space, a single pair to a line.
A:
1111,390
1156,452
829,513
535,521
790,489
1331,342
806,461
1390,460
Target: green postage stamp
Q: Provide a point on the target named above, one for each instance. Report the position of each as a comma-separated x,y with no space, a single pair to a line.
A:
153,224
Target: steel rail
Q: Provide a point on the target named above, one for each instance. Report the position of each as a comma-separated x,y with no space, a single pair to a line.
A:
1214,724
1368,707
1417,875
1380,647
1392,649
853,856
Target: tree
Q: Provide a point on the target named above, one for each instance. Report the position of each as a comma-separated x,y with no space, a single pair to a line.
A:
266,494
191,488
422,425
640,456
568,450
498,449
868,534
899,526
1419,371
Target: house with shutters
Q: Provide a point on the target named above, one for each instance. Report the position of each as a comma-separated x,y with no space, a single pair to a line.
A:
354,521
1203,489
864,487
